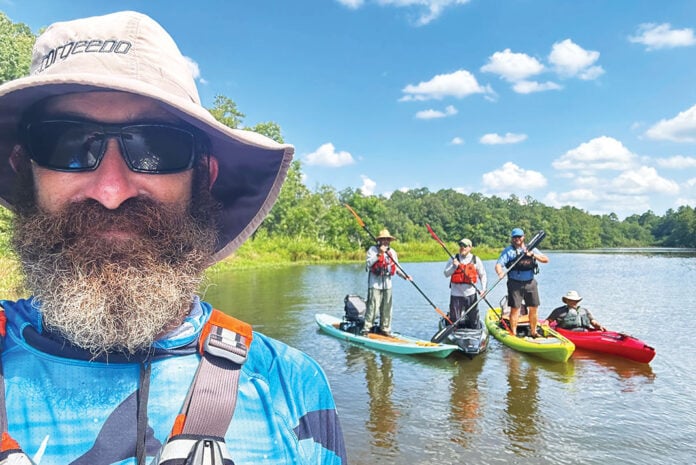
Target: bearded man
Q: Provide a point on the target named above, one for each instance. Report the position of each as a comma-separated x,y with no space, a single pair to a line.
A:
125,189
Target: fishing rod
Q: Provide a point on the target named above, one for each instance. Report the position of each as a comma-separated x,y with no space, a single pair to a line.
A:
439,241
362,224
444,332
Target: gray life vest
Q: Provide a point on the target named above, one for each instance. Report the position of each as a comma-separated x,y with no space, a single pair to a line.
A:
574,318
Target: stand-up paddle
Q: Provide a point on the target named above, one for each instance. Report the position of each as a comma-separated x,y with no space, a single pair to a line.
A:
444,332
362,224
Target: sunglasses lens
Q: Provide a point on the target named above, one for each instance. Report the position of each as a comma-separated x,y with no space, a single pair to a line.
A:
65,145
79,146
158,149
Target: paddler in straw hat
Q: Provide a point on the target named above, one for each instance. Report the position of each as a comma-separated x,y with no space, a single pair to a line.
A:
381,266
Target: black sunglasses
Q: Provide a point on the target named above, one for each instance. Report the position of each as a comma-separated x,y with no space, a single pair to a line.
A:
67,145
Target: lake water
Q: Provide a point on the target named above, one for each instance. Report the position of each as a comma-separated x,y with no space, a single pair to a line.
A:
501,407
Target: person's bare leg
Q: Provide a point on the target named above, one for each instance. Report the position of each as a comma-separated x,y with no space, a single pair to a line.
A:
533,319
514,316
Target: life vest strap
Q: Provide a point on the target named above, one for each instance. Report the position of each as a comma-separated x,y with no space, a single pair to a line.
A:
212,397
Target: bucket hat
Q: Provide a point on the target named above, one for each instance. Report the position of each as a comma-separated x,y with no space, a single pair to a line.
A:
384,234
571,295
465,243
517,232
130,52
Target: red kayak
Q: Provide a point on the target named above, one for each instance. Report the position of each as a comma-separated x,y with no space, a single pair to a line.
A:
610,342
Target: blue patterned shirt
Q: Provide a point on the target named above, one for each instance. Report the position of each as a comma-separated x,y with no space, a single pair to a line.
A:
65,409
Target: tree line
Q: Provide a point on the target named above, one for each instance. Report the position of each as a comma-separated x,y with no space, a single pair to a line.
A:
320,215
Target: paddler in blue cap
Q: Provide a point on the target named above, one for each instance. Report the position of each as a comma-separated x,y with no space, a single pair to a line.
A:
521,285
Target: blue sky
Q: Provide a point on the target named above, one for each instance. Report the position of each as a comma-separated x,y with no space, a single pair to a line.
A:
587,103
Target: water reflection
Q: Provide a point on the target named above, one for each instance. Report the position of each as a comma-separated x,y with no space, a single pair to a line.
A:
383,415
465,400
522,403
632,375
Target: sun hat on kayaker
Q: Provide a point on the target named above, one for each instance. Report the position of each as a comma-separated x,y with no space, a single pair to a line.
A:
571,295
130,52
384,234
465,243
517,232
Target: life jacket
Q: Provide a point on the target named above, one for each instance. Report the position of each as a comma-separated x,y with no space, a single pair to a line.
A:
197,437
526,263
465,273
384,266
574,318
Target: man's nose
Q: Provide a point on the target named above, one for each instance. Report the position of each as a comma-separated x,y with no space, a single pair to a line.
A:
113,182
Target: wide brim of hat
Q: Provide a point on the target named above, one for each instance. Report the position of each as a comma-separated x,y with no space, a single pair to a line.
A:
566,299
252,167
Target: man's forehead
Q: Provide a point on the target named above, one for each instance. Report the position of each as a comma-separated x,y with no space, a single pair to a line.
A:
105,106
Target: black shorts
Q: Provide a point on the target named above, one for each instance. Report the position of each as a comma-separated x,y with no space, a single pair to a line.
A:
523,290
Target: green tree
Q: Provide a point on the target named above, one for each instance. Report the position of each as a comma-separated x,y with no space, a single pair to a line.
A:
16,42
225,110
268,129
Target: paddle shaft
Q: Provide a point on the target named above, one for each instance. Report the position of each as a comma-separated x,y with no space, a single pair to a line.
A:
444,332
362,224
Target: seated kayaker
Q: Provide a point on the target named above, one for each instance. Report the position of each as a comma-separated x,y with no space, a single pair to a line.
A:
572,316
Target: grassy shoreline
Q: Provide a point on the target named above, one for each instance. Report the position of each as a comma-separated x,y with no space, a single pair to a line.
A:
263,253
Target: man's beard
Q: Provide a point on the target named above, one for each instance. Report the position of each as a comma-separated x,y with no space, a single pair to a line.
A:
104,292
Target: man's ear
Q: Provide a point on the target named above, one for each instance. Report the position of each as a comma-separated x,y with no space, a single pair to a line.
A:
16,157
212,170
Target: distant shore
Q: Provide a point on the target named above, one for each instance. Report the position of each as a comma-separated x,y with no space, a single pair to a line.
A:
270,252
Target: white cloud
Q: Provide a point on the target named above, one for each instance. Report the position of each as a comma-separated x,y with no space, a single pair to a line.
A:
326,155
529,87
677,162
427,10
643,180
691,201
575,198
632,190
430,9
508,138
459,84
457,141
352,4
368,185
601,153
512,178
681,128
657,36
195,70
571,60
599,202
512,66
688,196
433,114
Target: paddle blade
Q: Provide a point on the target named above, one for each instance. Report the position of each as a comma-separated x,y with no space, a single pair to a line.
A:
360,221
443,333
432,233
536,240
